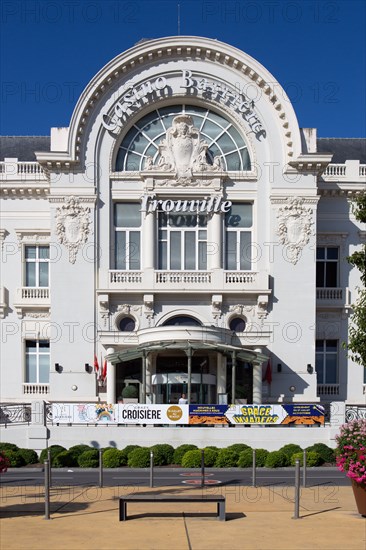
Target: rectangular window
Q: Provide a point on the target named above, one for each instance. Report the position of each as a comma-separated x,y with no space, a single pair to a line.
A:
182,241
327,361
37,361
238,237
327,260
37,266
127,226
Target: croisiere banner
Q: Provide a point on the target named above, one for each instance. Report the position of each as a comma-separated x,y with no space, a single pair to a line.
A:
137,413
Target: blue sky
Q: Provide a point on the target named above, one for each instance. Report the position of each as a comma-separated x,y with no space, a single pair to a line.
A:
50,49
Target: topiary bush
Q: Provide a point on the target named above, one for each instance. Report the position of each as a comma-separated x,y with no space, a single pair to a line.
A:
129,448
226,458
65,459
78,450
192,459
114,458
89,459
163,454
260,457
212,447
139,458
29,456
55,450
8,447
290,449
276,459
14,458
245,459
210,457
326,453
238,447
180,452
312,459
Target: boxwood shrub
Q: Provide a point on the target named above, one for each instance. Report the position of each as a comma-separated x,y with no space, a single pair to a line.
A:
55,450
29,456
8,447
326,453
15,459
129,448
114,458
226,458
192,459
180,452
163,454
290,449
312,459
276,459
77,450
210,455
65,459
246,458
89,459
238,447
139,458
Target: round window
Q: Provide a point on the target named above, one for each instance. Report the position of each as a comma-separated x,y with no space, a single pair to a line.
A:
237,324
126,324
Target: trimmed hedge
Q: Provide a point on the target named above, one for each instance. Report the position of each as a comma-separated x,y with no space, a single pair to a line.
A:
129,448
210,455
326,453
114,458
312,459
163,454
192,459
89,459
65,459
238,447
78,450
276,459
139,458
8,447
180,452
15,459
290,449
55,450
29,456
226,458
246,458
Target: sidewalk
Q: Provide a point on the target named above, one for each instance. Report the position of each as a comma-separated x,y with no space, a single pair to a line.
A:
257,518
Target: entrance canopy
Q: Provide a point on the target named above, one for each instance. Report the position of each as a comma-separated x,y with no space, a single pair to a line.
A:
188,347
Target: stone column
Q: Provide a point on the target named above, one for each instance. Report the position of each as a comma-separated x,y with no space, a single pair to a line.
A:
257,383
189,370
148,238
221,374
143,397
214,246
111,379
149,397
233,377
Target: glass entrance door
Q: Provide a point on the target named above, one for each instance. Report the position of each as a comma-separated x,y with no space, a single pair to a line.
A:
168,387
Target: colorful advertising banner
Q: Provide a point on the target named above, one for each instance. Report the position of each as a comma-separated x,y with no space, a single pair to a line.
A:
271,415
193,415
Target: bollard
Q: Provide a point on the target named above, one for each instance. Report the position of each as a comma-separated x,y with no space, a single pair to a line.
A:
46,490
202,468
297,489
254,470
151,469
49,466
100,468
304,469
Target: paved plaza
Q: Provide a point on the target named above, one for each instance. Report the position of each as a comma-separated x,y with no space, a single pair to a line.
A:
257,518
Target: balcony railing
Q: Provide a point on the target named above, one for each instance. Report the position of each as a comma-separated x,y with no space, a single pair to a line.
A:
22,170
36,389
240,277
335,170
329,293
32,298
183,277
125,277
351,171
328,389
34,293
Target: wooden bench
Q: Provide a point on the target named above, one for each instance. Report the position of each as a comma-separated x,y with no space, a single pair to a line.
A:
219,499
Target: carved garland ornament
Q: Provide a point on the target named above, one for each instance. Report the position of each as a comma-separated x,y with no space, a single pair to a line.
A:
72,225
294,227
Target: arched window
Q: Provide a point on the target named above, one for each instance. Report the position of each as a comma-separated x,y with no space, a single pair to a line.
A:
143,139
237,324
126,324
183,321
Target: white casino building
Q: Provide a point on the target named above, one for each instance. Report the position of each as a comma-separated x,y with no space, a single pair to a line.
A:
187,230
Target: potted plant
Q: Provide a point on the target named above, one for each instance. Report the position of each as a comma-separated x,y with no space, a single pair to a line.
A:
129,394
351,458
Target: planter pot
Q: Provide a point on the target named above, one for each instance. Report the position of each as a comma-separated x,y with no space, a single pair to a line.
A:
359,490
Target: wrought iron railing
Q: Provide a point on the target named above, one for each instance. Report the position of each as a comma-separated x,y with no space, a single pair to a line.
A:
15,414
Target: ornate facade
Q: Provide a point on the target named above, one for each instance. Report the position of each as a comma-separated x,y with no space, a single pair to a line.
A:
180,236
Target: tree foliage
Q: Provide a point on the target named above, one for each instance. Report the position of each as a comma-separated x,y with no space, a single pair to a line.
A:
357,332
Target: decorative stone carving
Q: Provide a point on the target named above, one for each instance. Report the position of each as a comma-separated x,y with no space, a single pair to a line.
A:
182,151
216,307
72,225
38,314
104,308
294,227
3,235
262,307
149,308
123,308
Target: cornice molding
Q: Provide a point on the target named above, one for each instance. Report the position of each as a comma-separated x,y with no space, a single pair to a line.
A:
33,235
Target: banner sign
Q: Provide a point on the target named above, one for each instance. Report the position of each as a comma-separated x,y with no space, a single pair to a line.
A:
138,413
270,415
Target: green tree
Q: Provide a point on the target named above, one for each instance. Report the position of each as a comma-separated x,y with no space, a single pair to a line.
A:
357,331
